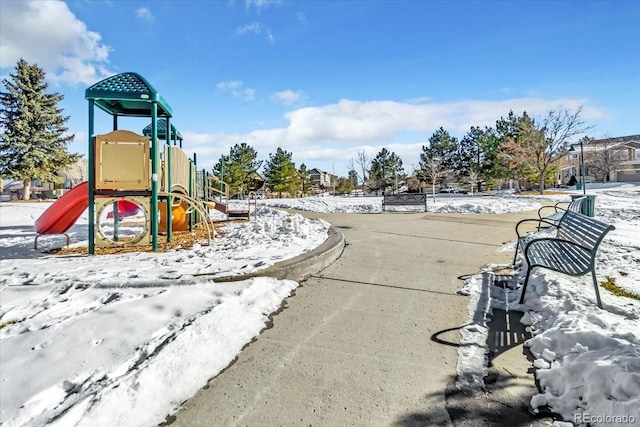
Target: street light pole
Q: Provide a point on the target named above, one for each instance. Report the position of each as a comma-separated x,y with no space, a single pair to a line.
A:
582,177
584,183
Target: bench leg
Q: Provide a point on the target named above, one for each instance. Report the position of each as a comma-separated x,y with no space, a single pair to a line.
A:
524,287
595,287
515,256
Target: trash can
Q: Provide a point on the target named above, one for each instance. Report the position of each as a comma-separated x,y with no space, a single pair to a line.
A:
588,207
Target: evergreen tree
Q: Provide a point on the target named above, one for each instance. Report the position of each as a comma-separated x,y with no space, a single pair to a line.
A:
239,169
281,173
467,157
33,137
306,180
520,151
508,128
479,151
443,147
386,170
492,168
344,186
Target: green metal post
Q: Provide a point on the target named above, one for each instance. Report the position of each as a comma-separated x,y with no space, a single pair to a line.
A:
155,159
205,183
92,181
221,186
195,164
116,222
116,216
206,194
191,189
584,183
169,182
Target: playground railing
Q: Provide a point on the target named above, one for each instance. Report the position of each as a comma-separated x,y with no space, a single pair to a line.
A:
214,188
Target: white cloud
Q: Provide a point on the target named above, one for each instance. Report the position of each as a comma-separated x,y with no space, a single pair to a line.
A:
145,14
49,34
235,84
257,29
261,4
288,97
358,121
270,38
335,133
254,28
237,89
248,94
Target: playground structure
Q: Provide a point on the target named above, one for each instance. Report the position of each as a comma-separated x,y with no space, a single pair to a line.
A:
130,178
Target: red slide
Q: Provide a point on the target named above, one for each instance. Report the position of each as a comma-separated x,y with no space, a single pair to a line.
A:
60,216
125,209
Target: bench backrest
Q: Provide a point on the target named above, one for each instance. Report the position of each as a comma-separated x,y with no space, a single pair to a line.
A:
576,204
405,199
583,230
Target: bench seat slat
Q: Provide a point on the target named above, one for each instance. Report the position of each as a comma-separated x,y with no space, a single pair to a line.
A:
557,256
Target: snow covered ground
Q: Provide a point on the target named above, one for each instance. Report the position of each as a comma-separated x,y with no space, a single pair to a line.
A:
118,339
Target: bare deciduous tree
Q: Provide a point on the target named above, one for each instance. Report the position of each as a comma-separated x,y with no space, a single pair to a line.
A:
549,140
434,170
536,144
602,156
364,161
472,178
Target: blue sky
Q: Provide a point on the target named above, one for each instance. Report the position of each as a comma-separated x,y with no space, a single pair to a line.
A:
326,79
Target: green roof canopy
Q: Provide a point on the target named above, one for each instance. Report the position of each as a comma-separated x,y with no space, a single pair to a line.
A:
162,130
127,94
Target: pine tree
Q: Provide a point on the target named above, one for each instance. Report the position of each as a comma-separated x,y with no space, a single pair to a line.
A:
442,147
386,170
281,173
239,169
33,138
478,156
468,153
344,186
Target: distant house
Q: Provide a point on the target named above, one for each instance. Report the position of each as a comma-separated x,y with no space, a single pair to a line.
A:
322,180
70,177
624,152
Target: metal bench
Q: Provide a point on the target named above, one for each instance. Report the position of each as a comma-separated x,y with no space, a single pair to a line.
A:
551,220
574,206
572,251
404,199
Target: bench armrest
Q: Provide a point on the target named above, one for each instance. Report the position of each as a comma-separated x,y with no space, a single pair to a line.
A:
539,221
556,208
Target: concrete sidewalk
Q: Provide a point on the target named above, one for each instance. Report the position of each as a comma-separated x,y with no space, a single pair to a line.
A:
355,345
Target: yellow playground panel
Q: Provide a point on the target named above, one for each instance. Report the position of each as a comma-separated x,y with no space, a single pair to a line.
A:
122,160
181,171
